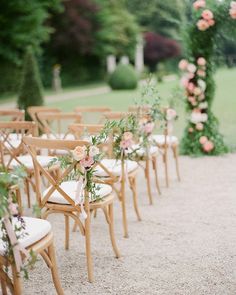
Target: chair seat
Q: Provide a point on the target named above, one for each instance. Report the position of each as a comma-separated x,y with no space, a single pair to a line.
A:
70,188
28,163
114,167
35,230
141,151
160,139
12,143
58,136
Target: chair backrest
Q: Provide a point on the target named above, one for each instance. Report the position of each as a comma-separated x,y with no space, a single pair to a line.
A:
92,114
34,144
12,115
55,124
33,111
11,140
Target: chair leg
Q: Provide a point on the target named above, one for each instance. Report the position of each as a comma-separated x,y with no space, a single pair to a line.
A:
154,165
17,283
27,190
147,175
175,152
54,270
123,206
133,187
67,231
88,249
111,231
165,160
3,287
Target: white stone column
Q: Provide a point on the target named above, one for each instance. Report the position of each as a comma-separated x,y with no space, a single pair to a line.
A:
139,56
111,63
124,60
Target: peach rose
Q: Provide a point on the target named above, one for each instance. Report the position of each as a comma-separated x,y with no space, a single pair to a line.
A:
197,91
199,126
183,64
207,14
87,162
190,130
201,61
127,136
201,73
191,68
208,146
203,139
202,25
199,4
93,151
79,153
211,22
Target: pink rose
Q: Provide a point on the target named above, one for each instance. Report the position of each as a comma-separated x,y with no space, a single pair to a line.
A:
208,146
211,22
190,76
207,14
233,4
79,153
183,64
127,136
191,68
201,61
191,87
199,4
170,114
203,139
201,73
148,128
184,82
87,162
125,144
232,13
202,25
199,126
190,130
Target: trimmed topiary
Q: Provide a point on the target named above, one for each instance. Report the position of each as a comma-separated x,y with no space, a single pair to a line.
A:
31,85
124,77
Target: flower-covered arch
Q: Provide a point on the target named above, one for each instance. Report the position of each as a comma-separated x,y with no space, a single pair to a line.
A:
208,19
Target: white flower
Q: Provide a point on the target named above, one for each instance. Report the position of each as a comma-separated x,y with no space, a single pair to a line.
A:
191,68
203,105
198,117
79,153
93,151
202,84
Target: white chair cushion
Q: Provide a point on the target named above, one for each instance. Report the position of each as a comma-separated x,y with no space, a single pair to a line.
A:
35,230
12,144
70,188
160,139
114,166
28,162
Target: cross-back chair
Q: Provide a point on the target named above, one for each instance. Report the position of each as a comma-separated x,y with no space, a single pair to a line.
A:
92,114
12,115
38,238
121,173
163,141
60,195
33,111
13,153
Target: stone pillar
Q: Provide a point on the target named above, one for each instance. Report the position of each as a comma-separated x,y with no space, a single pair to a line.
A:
111,63
56,83
124,60
139,56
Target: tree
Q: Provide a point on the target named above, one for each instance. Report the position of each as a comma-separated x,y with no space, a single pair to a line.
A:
163,17
158,48
31,86
209,19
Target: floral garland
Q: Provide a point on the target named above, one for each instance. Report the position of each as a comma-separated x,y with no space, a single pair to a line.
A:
202,135
10,234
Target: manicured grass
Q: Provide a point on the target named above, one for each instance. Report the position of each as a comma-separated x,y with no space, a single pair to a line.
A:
224,105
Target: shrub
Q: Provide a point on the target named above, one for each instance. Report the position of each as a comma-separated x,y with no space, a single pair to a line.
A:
124,77
31,85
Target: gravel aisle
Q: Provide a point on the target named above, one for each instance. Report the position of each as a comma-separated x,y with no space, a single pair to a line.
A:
186,243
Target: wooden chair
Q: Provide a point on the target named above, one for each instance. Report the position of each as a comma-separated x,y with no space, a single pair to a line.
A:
59,196
113,171
91,113
13,153
164,142
33,111
55,124
38,238
12,115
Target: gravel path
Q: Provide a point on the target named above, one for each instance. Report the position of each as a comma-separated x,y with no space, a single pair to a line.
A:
186,243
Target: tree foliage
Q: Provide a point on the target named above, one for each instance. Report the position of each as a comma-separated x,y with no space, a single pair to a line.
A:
158,48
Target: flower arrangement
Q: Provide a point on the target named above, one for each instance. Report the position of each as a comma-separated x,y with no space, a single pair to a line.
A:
197,79
11,233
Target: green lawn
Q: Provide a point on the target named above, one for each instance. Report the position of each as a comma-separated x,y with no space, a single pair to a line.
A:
224,105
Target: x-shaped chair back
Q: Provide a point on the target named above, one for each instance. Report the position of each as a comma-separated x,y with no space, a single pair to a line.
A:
56,123
12,115
33,111
11,140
